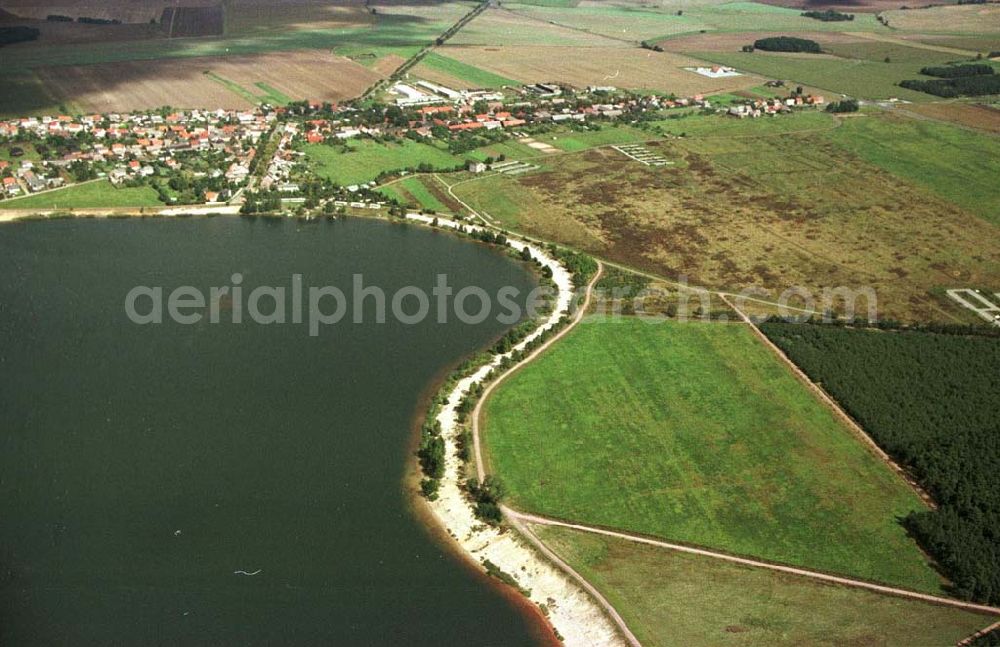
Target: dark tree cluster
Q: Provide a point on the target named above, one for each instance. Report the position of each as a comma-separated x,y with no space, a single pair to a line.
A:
488,495
956,71
787,44
829,15
54,17
17,34
971,80
847,105
931,401
964,86
98,21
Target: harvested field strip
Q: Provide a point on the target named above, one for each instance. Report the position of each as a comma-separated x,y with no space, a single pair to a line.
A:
674,598
230,81
473,76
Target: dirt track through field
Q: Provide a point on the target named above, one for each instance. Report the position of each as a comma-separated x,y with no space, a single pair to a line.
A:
816,575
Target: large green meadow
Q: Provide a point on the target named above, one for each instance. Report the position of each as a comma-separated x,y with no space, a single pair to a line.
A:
672,598
958,164
90,195
697,433
363,160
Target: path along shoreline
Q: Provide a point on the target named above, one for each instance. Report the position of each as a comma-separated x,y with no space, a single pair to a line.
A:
578,618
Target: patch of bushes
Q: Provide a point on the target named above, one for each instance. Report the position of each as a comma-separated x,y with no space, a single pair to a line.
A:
488,495
98,21
829,15
54,17
847,105
787,44
930,400
17,34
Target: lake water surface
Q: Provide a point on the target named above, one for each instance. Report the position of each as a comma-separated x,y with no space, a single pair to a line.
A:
141,466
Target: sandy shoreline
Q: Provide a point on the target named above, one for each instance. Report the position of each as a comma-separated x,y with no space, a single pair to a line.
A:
574,614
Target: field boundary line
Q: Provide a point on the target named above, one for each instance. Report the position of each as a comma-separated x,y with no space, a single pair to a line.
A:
834,406
982,632
745,561
540,546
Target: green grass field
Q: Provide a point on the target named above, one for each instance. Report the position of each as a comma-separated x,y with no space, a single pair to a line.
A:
368,158
696,125
414,192
90,195
697,433
468,73
959,165
857,78
579,140
672,598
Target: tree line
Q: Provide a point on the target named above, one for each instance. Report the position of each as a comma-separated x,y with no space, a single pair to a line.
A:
786,44
829,15
17,34
930,400
970,80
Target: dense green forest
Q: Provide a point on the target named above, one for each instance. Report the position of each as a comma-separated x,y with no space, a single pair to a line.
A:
786,44
931,400
956,81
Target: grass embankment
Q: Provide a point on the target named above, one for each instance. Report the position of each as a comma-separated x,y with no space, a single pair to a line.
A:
366,159
414,191
697,433
671,598
90,195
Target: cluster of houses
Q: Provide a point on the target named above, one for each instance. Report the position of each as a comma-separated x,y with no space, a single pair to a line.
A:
279,170
469,111
126,147
26,178
760,107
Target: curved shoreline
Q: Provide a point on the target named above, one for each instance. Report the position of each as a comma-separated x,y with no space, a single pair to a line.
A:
560,608
576,616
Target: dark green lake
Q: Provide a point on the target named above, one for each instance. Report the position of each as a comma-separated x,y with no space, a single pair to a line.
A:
264,447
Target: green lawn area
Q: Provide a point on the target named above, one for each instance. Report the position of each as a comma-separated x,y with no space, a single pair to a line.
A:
468,73
367,158
672,598
697,433
957,164
88,195
413,191
857,78
696,125
578,140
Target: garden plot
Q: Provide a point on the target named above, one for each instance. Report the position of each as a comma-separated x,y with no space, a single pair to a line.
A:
513,167
987,307
640,153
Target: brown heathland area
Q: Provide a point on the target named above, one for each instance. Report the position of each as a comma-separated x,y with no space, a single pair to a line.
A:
777,212
136,85
583,66
966,114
